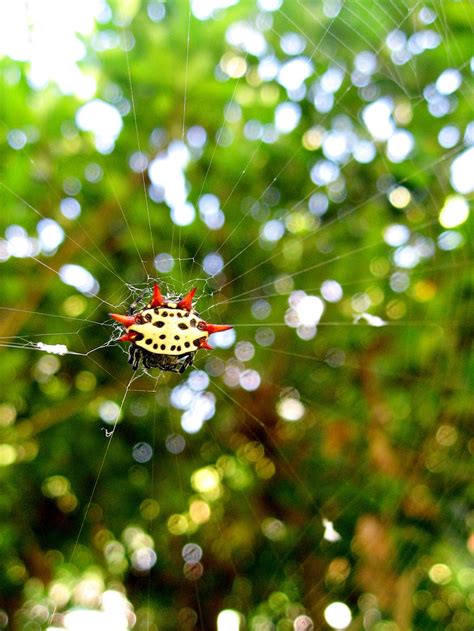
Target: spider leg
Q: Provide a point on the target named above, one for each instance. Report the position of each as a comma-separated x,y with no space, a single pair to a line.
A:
139,356
187,361
132,307
134,355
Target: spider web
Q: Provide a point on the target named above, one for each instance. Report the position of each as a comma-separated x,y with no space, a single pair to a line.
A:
231,294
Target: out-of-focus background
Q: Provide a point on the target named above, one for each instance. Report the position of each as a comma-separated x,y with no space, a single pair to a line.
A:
308,166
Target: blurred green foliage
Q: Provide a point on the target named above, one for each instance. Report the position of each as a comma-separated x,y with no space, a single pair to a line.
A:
380,446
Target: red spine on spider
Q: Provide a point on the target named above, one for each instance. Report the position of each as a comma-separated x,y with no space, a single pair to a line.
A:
157,300
187,301
166,334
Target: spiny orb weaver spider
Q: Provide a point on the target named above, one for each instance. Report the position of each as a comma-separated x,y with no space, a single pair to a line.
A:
166,334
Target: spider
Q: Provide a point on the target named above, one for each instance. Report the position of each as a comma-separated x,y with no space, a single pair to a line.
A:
166,334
